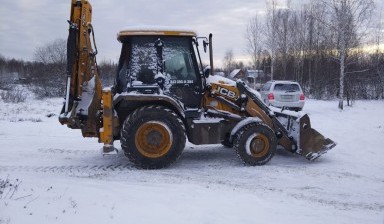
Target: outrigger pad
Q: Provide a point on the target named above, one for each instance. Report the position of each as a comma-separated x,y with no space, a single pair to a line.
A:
312,143
109,149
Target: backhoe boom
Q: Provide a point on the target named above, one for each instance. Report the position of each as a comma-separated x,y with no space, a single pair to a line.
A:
83,96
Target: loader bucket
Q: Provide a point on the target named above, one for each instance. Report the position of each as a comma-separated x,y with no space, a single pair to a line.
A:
311,143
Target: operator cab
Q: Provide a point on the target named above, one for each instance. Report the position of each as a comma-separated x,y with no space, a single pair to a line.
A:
154,61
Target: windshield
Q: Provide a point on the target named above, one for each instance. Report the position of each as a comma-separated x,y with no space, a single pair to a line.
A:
175,53
179,66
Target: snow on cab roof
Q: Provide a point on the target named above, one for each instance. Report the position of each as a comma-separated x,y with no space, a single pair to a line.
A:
155,30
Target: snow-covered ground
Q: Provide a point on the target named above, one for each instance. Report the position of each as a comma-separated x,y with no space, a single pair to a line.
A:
59,177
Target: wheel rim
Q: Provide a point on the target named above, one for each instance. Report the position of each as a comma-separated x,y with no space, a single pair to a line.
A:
257,145
153,139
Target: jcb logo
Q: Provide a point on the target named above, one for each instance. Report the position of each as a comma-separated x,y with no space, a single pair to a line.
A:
226,92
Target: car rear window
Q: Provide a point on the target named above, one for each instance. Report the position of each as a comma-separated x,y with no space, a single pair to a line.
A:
266,86
287,87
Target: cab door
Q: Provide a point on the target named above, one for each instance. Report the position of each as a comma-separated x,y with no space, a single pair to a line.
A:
184,78
170,58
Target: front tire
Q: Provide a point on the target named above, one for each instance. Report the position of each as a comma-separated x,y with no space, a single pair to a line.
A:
153,137
255,144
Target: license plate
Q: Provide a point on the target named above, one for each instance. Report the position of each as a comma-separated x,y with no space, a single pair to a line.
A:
286,97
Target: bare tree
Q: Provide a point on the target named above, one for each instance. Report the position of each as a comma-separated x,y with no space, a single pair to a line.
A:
228,61
270,33
253,37
3,77
313,15
379,56
319,48
54,52
53,57
282,36
346,19
2,64
298,33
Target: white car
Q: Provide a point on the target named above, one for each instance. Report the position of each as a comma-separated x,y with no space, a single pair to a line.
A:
287,94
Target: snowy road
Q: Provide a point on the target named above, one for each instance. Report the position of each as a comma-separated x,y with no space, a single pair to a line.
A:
59,177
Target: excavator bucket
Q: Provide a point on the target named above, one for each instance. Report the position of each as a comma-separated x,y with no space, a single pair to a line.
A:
311,143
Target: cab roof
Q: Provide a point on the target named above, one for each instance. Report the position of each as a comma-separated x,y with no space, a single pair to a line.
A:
154,31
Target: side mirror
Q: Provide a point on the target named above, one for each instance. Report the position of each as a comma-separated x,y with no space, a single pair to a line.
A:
207,71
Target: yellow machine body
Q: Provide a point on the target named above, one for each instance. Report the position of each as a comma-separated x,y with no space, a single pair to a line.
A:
221,108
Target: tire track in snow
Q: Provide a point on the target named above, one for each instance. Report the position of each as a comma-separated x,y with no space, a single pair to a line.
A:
69,169
344,205
199,177
65,151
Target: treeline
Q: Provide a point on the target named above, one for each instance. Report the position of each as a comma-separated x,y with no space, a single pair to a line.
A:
45,79
319,75
331,47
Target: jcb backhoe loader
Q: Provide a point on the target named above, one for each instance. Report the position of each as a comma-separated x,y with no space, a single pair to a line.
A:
162,97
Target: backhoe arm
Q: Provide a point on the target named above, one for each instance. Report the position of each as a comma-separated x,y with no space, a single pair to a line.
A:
83,95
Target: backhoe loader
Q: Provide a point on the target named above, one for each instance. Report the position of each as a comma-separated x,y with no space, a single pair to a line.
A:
163,97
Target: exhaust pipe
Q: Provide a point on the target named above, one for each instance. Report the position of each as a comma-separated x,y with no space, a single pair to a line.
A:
211,53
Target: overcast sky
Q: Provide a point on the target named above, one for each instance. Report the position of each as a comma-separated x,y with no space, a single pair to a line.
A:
28,24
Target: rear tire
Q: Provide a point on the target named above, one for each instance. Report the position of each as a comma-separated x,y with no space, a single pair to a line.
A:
153,137
255,144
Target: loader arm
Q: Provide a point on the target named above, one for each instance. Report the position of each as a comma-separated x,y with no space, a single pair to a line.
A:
83,93
294,132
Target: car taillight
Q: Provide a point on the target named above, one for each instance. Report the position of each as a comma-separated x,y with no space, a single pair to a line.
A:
271,96
302,97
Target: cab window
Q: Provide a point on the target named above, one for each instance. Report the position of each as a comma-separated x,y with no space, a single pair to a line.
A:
177,63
